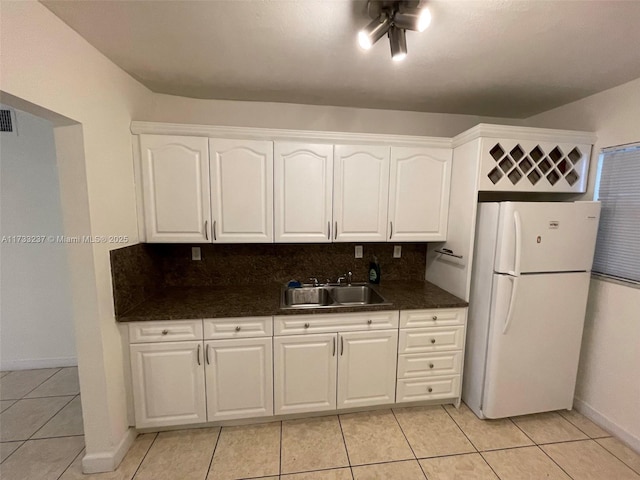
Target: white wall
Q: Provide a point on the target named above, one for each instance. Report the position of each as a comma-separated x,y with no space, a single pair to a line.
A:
172,109
608,387
47,67
36,318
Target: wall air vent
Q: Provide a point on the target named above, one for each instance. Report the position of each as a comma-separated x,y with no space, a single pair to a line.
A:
6,121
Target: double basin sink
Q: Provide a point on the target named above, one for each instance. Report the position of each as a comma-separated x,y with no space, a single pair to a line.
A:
328,296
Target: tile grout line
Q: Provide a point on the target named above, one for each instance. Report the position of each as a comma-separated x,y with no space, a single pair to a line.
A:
408,443
471,442
40,384
144,456
212,453
23,442
346,449
612,453
541,449
461,430
69,466
592,438
51,418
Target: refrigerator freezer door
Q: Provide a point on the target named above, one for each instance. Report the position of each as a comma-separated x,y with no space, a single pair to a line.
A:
546,236
532,360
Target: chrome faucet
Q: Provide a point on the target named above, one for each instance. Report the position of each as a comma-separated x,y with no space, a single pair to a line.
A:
314,281
348,277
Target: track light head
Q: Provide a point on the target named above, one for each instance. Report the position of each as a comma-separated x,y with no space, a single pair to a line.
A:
398,42
374,31
413,19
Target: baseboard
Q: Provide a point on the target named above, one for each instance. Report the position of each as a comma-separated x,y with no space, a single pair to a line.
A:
31,363
109,461
610,426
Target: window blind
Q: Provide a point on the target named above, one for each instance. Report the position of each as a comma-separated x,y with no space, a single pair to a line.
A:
618,190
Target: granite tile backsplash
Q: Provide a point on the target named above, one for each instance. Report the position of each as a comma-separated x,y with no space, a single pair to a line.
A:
140,271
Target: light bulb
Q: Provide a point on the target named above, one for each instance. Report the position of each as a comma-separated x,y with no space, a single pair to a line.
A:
425,19
364,41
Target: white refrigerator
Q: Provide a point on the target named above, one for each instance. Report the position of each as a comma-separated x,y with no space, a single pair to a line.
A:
529,287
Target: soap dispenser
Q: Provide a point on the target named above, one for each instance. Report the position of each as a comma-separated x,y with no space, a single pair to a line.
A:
374,271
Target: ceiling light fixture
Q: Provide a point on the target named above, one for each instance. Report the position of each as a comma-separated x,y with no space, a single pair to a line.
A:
393,18
398,42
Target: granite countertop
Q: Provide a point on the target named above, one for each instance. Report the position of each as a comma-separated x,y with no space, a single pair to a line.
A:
180,303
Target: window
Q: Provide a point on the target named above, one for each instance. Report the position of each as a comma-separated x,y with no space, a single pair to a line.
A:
618,188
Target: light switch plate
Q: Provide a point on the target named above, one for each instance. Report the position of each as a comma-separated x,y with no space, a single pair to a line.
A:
397,251
358,251
196,253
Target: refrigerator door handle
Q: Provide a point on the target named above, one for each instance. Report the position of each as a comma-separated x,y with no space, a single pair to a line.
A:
518,250
512,301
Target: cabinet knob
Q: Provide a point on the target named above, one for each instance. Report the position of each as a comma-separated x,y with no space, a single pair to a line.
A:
435,317
306,325
429,389
369,322
164,332
238,328
433,340
431,365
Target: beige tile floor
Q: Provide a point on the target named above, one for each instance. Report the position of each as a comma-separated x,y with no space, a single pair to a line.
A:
41,432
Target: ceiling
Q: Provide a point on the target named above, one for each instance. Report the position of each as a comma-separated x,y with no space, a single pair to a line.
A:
493,57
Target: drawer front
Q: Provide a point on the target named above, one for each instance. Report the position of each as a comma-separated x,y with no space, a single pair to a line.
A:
240,327
429,364
301,324
165,331
432,318
424,340
416,389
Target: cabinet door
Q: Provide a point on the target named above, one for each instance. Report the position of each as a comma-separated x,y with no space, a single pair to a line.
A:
305,373
361,193
303,192
241,190
168,383
367,368
419,194
175,188
239,376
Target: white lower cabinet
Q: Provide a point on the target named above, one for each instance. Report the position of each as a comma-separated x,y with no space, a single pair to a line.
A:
321,372
239,378
305,373
430,354
197,371
168,383
367,368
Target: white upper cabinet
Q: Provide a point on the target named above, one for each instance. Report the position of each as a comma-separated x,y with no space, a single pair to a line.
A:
419,194
241,190
175,188
361,193
303,192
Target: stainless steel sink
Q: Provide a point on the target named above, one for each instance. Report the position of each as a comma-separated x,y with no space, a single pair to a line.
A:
356,295
326,296
307,297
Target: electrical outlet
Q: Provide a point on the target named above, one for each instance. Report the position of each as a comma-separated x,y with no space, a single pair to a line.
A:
196,254
397,251
358,251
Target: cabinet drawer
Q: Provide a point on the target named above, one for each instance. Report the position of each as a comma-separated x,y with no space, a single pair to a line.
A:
418,340
432,318
335,322
238,327
165,331
416,389
429,364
